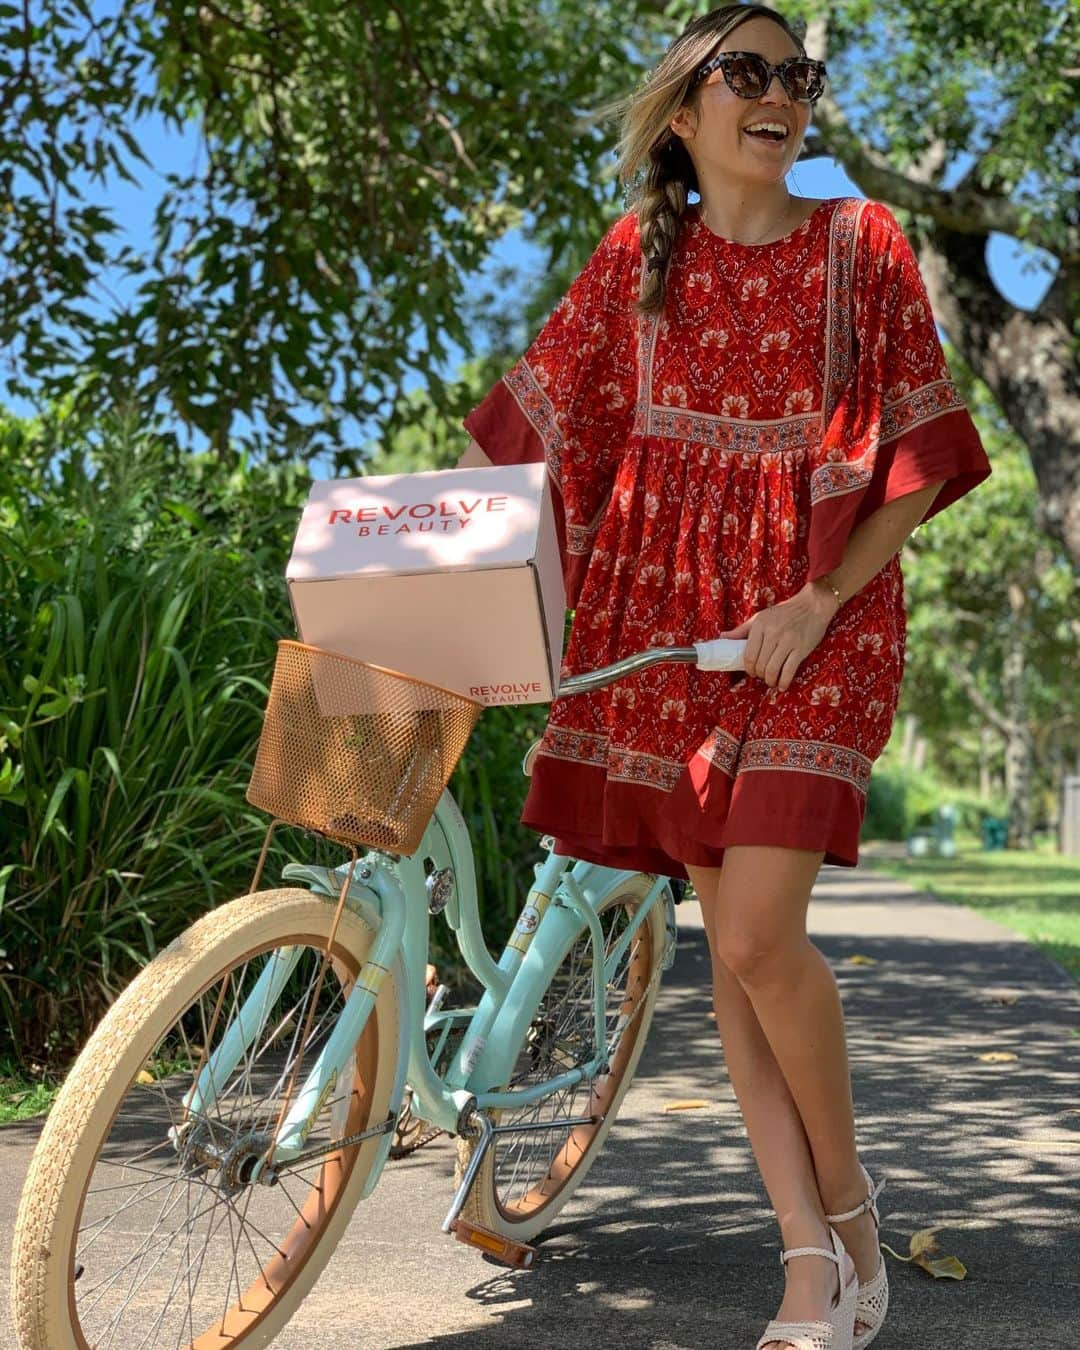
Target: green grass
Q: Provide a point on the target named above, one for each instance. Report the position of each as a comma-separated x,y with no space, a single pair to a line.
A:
22,1097
1036,893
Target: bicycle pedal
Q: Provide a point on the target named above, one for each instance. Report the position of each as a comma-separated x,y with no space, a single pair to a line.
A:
499,1248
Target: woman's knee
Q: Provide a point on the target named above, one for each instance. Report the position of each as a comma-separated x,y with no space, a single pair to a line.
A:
759,916
756,956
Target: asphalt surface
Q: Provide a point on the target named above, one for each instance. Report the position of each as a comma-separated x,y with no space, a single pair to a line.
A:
670,1244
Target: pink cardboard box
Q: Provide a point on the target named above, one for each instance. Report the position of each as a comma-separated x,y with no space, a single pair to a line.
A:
451,576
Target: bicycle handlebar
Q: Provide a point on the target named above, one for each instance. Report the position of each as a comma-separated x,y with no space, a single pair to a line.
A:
717,654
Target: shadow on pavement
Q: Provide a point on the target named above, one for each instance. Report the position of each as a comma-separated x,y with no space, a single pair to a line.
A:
670,1244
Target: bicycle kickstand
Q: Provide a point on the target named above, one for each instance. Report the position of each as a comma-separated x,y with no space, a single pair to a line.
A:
500,1248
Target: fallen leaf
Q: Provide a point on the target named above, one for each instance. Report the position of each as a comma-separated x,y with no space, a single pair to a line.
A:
922,1242
693,1105
144,1077
859,960
922,1247
943,1267
998,1057
1003,996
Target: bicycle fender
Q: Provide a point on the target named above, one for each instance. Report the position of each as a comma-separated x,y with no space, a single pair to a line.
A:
397,1097
325,881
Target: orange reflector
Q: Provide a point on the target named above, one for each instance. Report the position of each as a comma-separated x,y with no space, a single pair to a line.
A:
498,1247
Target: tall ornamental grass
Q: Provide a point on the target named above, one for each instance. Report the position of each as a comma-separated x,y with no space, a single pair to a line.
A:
137,641
143,596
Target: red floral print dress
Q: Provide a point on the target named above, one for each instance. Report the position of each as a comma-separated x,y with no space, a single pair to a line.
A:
705,464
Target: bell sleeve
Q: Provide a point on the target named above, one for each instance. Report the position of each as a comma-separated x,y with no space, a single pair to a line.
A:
569,400
899,424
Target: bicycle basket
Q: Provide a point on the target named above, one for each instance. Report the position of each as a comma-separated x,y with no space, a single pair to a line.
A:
357,752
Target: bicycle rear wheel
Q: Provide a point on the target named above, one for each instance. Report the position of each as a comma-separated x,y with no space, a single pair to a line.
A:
526,1179
126,1238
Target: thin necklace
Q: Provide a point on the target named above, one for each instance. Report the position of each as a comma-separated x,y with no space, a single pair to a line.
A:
787,208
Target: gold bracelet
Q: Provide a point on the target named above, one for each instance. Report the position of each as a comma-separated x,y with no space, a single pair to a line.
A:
828,582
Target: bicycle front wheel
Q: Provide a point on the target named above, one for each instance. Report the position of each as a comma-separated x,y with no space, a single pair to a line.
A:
141,1223
527,1178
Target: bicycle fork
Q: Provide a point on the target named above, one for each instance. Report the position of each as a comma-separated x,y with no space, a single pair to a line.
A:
322,1078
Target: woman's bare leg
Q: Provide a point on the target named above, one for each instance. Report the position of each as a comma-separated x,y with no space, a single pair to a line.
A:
755,908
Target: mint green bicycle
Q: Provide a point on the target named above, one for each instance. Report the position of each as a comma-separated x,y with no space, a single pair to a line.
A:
240,1098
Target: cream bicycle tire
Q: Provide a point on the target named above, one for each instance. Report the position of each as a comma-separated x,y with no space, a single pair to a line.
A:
44,1293
523,1220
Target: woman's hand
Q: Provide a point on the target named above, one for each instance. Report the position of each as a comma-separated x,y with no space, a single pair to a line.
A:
780,638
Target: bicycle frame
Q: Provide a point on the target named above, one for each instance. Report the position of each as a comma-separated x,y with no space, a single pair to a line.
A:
392,895
395,905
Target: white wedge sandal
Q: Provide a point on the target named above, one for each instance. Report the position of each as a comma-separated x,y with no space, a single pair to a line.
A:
834,1334
873,1300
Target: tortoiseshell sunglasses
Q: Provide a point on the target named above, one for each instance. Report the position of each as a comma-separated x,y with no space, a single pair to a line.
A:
748,74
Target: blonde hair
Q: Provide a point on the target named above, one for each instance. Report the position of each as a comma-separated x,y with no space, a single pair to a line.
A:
653,163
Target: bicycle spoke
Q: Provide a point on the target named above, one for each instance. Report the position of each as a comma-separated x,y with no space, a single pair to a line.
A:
172,1222
136,1260
563,1036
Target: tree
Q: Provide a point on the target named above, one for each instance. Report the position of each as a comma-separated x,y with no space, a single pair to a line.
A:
992,633
920,114
358,161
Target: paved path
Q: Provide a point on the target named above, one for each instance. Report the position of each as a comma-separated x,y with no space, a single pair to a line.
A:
669,1246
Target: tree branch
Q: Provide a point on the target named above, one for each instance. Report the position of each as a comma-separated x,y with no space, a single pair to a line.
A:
964,208
989,713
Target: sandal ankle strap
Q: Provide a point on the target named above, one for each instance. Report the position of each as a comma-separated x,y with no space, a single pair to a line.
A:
836,1255
870,1203
786,1256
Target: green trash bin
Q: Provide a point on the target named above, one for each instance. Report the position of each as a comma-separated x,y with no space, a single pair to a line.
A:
995,832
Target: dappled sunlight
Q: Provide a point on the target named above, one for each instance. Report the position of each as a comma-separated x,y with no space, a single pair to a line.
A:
987,1151
671,1245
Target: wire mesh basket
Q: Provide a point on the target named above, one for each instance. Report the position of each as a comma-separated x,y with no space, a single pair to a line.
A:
355,751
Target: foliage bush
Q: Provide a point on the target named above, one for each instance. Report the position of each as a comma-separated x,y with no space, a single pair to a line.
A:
142,610
143,597
886,805
901,799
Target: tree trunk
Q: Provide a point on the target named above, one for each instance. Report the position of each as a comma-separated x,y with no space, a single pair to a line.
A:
1057,781
1025,358
1018,742
907,752
986,745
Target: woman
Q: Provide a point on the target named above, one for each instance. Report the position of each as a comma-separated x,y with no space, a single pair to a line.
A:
745,411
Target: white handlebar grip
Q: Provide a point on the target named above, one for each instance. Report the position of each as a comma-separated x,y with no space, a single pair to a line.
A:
721,654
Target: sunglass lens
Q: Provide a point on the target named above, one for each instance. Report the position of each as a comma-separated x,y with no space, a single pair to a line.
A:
804,80
746,76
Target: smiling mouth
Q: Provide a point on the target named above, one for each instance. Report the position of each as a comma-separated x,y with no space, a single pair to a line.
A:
765,139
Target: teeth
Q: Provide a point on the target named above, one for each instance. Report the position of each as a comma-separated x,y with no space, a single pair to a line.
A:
768,126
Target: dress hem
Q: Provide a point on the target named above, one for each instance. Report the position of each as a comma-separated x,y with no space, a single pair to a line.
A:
651,830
